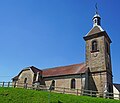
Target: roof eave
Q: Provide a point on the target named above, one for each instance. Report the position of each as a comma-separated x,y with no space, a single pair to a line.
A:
63,75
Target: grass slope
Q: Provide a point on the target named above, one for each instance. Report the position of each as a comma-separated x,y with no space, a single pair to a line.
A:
17,95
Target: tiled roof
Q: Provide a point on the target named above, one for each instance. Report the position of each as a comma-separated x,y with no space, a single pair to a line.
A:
65,70
94,30
117,86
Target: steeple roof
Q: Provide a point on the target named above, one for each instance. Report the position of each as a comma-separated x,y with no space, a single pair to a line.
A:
94,30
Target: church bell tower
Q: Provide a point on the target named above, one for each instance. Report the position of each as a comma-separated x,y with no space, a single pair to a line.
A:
98,57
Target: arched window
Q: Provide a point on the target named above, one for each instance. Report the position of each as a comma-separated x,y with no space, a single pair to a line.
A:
25,80
94,45
95,20
73,84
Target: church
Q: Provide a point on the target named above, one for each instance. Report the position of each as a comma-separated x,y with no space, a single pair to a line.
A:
94,74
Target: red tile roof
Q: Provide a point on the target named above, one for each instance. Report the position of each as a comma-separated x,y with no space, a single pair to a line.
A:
64,70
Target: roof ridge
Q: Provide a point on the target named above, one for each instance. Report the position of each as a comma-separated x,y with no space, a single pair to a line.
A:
30,67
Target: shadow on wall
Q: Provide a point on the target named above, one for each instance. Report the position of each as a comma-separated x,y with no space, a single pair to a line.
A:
89,82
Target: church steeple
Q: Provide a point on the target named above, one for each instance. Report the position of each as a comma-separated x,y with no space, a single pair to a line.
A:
98,58
96,19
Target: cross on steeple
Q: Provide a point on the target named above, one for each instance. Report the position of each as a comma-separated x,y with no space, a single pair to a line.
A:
96,8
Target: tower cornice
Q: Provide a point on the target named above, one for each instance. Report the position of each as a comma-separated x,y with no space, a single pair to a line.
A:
103,33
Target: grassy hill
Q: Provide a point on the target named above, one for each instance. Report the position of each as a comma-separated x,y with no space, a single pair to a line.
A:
17,95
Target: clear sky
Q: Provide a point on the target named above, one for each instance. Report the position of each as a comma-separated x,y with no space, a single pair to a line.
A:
49,33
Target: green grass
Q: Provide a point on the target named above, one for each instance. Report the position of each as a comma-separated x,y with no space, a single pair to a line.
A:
17,95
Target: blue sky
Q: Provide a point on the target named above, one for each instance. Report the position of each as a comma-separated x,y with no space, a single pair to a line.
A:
49,33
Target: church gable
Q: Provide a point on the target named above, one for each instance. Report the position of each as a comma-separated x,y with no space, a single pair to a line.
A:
28,75
25,76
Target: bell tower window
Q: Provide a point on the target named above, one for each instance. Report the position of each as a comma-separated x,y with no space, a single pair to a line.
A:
94,45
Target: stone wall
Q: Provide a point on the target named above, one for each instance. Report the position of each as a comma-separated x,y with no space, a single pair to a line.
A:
66,82
95,60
